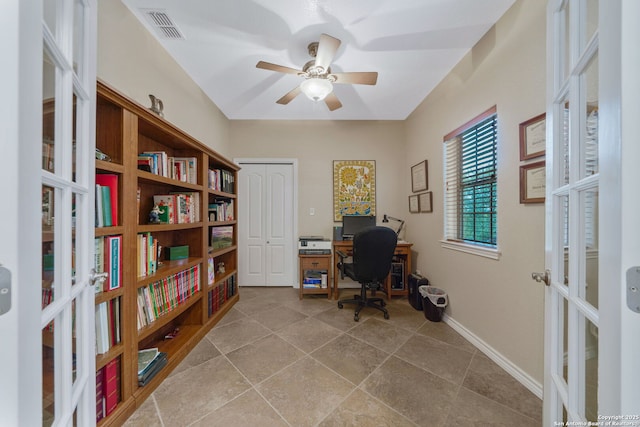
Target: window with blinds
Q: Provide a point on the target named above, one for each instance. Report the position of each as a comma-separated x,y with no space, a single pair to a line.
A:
471,170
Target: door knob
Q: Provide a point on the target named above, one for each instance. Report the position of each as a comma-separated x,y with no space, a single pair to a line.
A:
542,277
97,279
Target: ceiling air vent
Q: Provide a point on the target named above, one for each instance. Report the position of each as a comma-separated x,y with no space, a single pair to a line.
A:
163,24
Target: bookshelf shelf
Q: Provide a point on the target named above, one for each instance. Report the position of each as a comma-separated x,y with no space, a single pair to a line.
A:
129,134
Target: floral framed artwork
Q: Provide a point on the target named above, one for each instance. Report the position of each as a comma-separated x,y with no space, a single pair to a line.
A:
354,188
533,137
419,177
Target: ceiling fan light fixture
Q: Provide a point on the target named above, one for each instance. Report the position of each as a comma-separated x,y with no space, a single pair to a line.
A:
316,89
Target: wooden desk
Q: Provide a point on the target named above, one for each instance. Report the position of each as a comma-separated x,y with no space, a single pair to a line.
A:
403,250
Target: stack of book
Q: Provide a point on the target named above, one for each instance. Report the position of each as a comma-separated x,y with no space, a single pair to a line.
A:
150,362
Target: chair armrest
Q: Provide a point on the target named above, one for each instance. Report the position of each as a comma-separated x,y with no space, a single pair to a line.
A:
342,255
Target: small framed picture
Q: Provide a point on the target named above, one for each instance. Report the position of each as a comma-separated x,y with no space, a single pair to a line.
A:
414,204
533,182
419,178
533,137
424,201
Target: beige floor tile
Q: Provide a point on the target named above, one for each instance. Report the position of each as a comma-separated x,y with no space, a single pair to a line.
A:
231,316
255,305
249,409
234,335
381,334
439,358
350,357
145,416
310,304
308,334
278,317
362,410
486,378
471,409
305,392
185,398
201,353
402,315
343,318
418,395
264,357
443,332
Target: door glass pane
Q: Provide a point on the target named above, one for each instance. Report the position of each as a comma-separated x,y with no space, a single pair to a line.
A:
74,152
564,249
589,290
48,380
78,38
74,349
592,19
73,237
49,10
48,240
591,372
564,143
565,339
565,66
48,113
590,138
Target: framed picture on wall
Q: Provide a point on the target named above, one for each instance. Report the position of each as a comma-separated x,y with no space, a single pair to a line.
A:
414,204
533,182
533,138
354,188
424,201
419,178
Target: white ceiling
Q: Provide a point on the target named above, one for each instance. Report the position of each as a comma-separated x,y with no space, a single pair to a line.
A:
412,44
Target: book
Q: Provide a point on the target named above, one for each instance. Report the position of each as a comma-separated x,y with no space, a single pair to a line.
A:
105,193
111,388
110,180
99,262
102,328
221,237
99,208
168,207
99,395
155,367
113,245
145,358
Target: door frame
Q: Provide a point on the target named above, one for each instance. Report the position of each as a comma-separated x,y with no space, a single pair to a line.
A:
21,116
294,201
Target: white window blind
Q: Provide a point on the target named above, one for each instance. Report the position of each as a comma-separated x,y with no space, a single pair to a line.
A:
471,181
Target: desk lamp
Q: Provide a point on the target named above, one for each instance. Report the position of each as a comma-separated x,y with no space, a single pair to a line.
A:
386,218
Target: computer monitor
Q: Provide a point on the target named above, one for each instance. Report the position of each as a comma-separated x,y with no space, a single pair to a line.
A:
352,224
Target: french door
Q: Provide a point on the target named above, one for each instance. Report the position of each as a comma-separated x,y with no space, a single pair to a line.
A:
591,335
50,365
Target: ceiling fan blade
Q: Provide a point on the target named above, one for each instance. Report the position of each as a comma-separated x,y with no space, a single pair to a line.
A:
276,67
332,102
327,48
358,78
289,96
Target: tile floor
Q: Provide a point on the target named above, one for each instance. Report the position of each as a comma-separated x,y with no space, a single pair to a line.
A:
275,360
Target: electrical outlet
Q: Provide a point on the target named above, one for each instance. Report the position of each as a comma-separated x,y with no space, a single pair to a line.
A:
312,211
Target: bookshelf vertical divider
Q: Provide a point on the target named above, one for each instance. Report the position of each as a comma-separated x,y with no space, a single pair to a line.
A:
189,300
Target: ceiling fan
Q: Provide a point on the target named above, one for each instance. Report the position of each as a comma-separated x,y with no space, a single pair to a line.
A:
318,83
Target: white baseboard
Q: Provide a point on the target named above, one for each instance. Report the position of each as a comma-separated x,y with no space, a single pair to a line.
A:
522,377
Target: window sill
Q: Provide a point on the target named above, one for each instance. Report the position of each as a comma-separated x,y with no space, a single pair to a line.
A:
468,248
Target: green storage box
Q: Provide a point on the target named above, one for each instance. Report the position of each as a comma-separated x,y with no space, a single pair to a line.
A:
177,252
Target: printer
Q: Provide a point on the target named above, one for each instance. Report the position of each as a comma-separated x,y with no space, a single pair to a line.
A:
314,245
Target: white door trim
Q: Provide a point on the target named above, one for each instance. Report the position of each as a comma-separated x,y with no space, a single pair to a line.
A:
294,163
20,144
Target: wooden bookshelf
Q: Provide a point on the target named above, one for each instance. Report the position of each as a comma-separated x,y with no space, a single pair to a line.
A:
124,129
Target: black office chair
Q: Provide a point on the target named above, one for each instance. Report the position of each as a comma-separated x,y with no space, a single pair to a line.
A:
373,250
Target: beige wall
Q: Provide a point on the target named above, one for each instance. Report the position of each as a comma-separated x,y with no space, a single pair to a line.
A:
316,144
134,63
496,300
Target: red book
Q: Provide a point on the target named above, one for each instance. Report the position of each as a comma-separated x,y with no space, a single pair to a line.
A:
110,180
110,386
99,395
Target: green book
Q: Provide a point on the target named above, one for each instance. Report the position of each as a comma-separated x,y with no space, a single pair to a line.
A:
106,205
